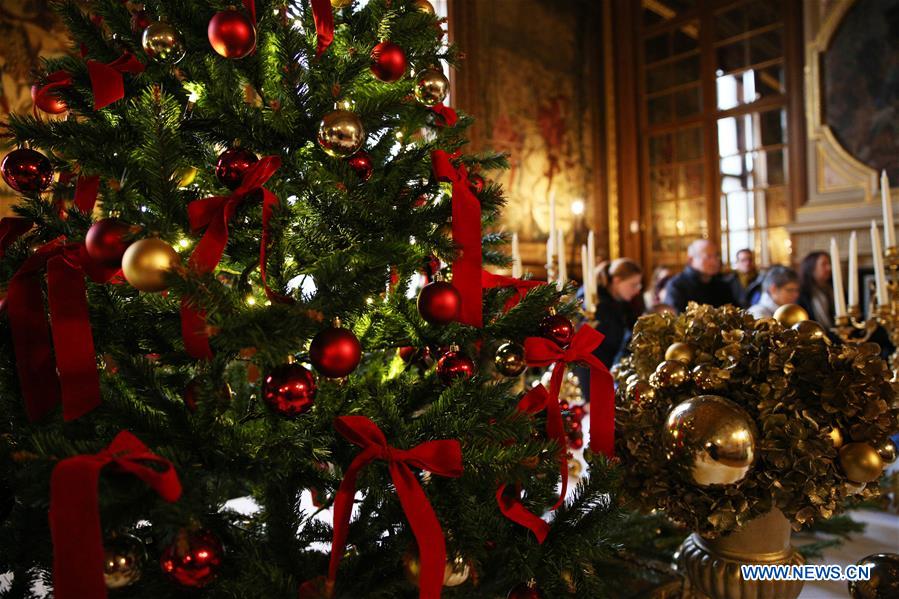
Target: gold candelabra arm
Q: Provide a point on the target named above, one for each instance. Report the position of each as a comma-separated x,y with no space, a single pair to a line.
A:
852,329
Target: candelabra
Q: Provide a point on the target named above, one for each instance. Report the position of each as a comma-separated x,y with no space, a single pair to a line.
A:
888,315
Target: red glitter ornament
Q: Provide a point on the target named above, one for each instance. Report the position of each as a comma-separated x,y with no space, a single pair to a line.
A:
289,390
232,165
455,365
231,34
194,559
557,328
361,164
388,62
476,182
335,352
27,171
439,303
107,240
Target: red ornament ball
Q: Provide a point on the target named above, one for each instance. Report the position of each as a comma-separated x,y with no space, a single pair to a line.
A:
557,328
361,164
576,441
231,34
335,352
194,559
577,412
107,240
48,101
388,62
524,591
232,165
455,365
27,171
476,182
439,303
289,390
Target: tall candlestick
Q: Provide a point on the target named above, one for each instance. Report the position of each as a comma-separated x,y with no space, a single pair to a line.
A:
853,270
552,224
588,292
591,262
516,257
563,267
879,272
839,300
889,231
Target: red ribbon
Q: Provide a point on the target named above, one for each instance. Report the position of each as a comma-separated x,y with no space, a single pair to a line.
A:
55,80
107,81
490,280
445,116
466,235
11,228
86,189
542,352
71,377
443,458
323,15
213,213
250,5
74,511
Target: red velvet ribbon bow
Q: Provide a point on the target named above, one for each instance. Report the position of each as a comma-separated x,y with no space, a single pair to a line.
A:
71,376
55,80
323,15
540,352
466,235
86,189
106,78
445,116
490,280
250,5
213,213
11,228
443,458
74,511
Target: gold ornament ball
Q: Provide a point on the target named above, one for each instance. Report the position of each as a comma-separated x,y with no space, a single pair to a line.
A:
709,378
123,561
810,330
431,86
641,393
712,436
186,175
509,359
883,579
887,451
424,6
341,3
861,462
455,572
790,314
575,468
669,374
147,262
682,352
836,437
341,134
163,43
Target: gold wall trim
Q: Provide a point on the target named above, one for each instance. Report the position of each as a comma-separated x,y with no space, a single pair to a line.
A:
611,139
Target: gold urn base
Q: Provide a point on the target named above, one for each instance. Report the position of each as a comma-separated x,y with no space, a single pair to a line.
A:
712,566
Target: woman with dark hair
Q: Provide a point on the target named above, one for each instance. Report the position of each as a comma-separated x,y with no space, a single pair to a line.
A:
815,291
618,283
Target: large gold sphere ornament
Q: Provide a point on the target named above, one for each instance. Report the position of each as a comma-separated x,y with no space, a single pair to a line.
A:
670,374
887,451
509,359
341,134
147,262
682,352
341,3
424,6
810,330
883,578
431,86
456,571
861,462
123,561
713,437
162,42
790,314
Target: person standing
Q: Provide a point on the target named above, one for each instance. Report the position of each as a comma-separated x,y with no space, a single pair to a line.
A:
781,287
815,291
745,280
618,283
701,280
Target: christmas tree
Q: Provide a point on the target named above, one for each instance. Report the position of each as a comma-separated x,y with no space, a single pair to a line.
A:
214,272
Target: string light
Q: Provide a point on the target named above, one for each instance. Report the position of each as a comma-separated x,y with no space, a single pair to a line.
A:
184,243
251,301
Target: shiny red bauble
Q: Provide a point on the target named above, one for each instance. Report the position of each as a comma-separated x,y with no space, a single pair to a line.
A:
335,352
107,240
194,559
453,366
361,164
27,171
48,101
476,182
231,34
289,390
524,591
388,62
576,441
556,327
439,302
232,165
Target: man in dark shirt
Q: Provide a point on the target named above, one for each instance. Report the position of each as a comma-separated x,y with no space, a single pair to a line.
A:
701,280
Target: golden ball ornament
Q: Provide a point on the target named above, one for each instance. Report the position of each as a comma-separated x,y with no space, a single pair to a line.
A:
341,134
509,359
163,43
123,561
682,352
455,572
709,378
147,262
641,393
431,86
836,437
883,577
861,462
338,4
670,374
424,6
810,330
186,175
575,468
887,451
713,437
790,314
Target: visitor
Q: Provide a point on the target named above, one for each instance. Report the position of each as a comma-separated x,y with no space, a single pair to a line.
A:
701,280
815,291
618,283
655,295
781,286
745,280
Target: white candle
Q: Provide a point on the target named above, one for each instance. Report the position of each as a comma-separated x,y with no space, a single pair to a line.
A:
549,258
839,300
879,273
563,267
591,261
516,257
889,230
853,270
552,225
588,293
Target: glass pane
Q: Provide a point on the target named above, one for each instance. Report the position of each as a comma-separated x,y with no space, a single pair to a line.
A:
651,17
689,181
770,80
770,168
732,57
762,12
661,185
671,74
686,38
659,78
728,140
660,149
656,48
772,125
766,46
687,102
659,109
689,144
777,207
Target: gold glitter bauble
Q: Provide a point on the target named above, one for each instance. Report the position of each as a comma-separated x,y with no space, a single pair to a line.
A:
509,359
123,561
790,314
431,86
861,462
424,6
455,572
669,374
186,175
162,42
836,437
682,352
714,437
887,451
809,330
147,262
710,378
341,134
